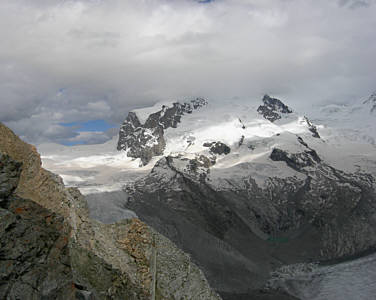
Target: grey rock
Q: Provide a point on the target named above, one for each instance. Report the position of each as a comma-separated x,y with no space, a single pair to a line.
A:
34,255
273,108
220,148
241,142
372,102
312,128
10,171
297,161
146,140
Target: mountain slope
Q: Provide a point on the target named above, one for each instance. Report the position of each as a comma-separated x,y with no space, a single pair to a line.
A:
272,198
142,133
59,252
354,122
247,187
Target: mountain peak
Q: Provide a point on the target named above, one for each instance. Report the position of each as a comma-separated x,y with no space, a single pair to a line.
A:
272,108
142,132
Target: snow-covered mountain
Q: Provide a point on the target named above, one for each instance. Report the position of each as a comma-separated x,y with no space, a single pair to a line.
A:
347,139
353,121
266,184
245,187
340,136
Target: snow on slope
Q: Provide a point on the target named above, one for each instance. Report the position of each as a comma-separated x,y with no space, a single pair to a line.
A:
92,168
95,168
227,122
355,279
352,121
143,113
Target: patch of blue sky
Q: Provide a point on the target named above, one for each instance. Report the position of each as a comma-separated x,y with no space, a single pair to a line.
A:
92,125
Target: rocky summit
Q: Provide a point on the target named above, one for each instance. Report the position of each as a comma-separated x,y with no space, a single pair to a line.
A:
273,108
145,138
51,249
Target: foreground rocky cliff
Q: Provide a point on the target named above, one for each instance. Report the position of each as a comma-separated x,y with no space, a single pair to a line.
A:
51,249
34,259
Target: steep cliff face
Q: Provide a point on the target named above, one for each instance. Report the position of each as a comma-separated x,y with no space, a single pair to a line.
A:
52,249
146,139
34,260
273,108
36,183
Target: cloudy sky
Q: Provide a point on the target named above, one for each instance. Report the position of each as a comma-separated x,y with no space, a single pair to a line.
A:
71,70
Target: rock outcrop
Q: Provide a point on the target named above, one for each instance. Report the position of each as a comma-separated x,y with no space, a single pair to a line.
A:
51,249
218,148
273,108
34,254
36,183
371,101
146,140
312,128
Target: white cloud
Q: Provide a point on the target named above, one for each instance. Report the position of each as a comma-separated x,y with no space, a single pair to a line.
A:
65,61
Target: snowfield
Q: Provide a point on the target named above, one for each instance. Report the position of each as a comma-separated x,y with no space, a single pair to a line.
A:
355,279
91,168
347,142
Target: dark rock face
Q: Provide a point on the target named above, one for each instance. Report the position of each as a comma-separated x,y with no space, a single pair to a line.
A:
297,161
34,256
10,171
142,141
272,108
146,140
219,147
372,102
238,234
312,128
34,253
241,142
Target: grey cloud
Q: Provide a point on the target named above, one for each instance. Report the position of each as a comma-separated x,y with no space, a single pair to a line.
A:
37,130
67,61
354,4
89,137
